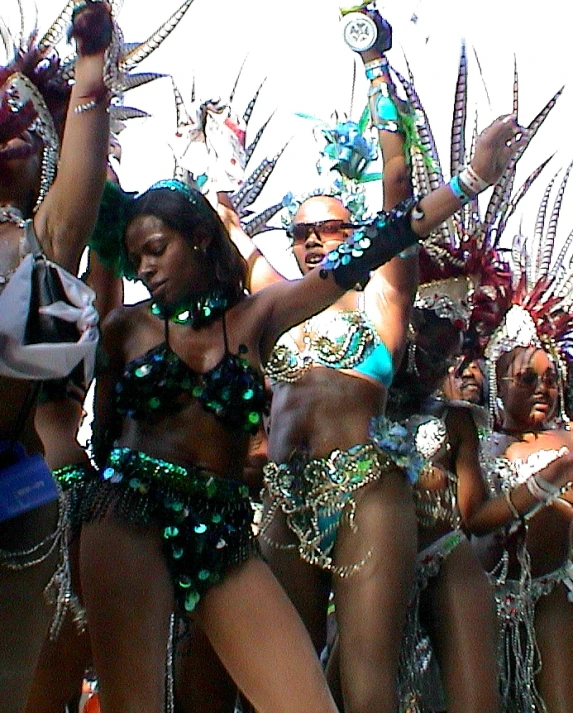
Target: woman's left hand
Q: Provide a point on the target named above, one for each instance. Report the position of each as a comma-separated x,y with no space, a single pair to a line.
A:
496,145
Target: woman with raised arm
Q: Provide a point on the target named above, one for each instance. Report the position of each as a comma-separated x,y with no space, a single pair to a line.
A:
49,198
338,505
169,521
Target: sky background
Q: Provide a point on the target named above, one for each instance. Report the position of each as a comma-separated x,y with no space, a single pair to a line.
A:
296,48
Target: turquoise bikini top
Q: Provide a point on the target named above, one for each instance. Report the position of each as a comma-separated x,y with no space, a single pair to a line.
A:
159,383
338,340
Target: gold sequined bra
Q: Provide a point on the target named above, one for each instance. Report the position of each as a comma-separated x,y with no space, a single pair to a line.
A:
338,340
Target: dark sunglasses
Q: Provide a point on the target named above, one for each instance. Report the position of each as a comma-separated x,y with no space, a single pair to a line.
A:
299,232
530,379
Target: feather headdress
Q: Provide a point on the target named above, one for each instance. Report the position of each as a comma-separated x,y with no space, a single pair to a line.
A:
467,245
212,153
35,84
540,313
346,154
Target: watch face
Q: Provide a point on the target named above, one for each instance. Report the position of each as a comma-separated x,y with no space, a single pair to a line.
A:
359,31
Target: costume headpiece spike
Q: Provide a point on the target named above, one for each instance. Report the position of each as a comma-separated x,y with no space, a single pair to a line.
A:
458,157
509,210
549,243
251,105
515,104
540,220
237,79
255,142
503,188
134,57
58,28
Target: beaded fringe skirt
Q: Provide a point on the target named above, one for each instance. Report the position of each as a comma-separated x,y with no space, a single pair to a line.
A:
205,520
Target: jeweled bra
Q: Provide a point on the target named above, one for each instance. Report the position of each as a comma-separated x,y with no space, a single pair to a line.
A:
338,340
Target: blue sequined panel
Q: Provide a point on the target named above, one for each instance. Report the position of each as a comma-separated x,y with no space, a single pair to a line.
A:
159,383
205,520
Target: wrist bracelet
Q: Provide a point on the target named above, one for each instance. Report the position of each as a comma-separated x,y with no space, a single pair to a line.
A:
458,191
472,181
376,68
93,100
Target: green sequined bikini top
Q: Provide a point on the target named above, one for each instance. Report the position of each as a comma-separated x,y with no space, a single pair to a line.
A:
159,383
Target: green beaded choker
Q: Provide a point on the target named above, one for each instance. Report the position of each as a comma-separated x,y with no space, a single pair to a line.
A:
198,310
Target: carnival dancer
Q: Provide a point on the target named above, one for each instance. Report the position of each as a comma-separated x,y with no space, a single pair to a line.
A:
49,197
341,361
529,471
60,411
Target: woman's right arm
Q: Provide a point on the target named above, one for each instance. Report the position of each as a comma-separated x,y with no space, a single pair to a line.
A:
66,218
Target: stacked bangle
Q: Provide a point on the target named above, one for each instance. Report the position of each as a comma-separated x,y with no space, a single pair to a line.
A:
471,182
377,68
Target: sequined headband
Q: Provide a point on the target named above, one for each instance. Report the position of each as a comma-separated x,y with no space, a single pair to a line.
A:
107,238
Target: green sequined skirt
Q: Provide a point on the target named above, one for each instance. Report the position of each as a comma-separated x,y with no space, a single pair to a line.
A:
73,479
205,520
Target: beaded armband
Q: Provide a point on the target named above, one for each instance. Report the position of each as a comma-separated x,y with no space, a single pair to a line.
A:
385,115
371,246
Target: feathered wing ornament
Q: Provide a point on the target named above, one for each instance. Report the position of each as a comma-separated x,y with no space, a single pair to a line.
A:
540,312
211,152
469,243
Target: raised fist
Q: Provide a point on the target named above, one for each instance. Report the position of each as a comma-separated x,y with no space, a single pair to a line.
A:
91,27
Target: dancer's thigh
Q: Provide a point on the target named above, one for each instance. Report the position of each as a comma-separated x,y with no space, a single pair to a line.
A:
262,642
129,599
371,603
202,684
307,585
554,630
24,613
463,628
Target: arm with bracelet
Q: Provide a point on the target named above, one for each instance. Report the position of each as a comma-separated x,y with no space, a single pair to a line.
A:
395,283
522,502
